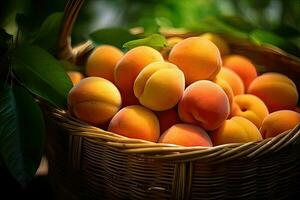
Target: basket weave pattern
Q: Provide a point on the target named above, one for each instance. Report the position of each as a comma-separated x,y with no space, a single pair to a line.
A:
89,163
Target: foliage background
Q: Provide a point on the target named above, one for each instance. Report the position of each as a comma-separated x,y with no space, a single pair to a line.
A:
280,17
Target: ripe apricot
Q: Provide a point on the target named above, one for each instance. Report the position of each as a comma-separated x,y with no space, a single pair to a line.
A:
102,62
185,135
128,68
94,100
75,76
236,130
204,103
135,122
242,66
233,80
198,59
159,86
276,90
278,122
250,107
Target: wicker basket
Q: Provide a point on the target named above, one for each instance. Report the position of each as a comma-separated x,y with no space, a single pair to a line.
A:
86,162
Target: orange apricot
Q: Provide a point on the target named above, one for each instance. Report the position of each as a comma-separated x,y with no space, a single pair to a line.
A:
135,122
128,68
159,86
250,107
102,62
242,66
198,59
236,130
204,103
94,100
278,122
186,135
276,90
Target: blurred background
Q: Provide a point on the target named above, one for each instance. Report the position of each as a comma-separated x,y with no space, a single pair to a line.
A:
263,21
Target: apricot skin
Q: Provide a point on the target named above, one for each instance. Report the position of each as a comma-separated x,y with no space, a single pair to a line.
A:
186,135
278,122
94,100
159,86
102,62
198,58
205,104
135,122
128,68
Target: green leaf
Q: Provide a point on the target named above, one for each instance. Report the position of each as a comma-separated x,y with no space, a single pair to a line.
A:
42,74
21,133
214,25
48,33
155,41
112,36
237,22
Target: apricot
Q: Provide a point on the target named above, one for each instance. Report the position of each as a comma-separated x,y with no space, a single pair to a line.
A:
75,76
218,41
204,103
167,119
94,100
170,44
102,62
233,80
135,122
159,86
198,59
128,68
236,130
226,87
250,107
276,90
242,66
278,122
186,135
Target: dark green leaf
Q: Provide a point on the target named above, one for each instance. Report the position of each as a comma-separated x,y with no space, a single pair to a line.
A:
21,133
287,31
237,22
26,29
48,33
155,41
214,25
112,36
5,41
42,74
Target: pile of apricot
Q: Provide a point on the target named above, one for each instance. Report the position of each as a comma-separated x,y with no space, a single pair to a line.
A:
191,93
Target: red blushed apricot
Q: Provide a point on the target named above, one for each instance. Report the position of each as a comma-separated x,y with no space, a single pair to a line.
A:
102,62
94,100
128,68
135,122
233,80
204,103
250,107
198,58
159,86
167,119
278,122
242,66
236,130
75,76
276,90
186,135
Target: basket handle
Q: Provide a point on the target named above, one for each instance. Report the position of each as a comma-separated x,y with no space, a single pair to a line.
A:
64,48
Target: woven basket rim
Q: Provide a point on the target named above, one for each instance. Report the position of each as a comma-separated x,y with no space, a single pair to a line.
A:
75,127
